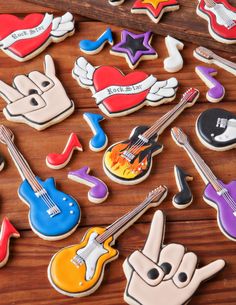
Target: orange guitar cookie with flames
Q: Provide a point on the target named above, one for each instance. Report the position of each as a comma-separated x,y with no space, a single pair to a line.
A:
130,161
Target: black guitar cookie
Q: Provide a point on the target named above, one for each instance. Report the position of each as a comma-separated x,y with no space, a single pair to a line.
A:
216,129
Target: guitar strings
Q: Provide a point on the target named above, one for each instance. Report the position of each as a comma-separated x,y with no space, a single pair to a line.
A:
48,201
154,129
213,179
119,223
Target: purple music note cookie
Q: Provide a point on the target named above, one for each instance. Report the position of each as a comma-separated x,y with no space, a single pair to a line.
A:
216,92
98,190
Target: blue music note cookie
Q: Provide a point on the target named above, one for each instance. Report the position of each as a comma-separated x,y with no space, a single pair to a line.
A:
99,141
94,47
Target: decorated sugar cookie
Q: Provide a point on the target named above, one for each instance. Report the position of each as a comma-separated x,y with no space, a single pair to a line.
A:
94,47
2,162
221,17
99,140
117,94
23,39
207,56
184,198
216,129
174,62
130,161
53,214
134,47
217,91
164,274
38,100
217,194
7,231
98,190
58,161
116,2
78,270
154,8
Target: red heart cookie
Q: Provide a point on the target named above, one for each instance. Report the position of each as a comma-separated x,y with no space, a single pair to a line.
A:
106,76
9,24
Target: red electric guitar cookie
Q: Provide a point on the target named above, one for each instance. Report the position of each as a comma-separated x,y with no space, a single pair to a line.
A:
221,17
23,39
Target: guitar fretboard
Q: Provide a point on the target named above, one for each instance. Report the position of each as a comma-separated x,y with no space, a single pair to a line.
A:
20,162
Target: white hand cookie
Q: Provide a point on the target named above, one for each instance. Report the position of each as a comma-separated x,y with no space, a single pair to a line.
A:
164,274
37,99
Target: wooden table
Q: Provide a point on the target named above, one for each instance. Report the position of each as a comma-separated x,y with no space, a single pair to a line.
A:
23,281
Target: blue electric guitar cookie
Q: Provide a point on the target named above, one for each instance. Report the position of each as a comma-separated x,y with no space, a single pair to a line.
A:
53,215
99,141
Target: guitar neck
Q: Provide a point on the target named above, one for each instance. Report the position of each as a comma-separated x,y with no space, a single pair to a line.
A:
224,63
203,169
120,225
210,3
161,124
21,164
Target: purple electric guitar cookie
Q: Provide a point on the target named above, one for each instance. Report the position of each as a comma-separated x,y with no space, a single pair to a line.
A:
220,196
98,192
216,91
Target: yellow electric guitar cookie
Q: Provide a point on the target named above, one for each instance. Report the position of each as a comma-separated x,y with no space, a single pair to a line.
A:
78,270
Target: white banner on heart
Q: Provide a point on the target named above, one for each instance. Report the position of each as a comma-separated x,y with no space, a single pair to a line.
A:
27,33
125,90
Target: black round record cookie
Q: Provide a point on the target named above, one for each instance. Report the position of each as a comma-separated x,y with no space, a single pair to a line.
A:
216,129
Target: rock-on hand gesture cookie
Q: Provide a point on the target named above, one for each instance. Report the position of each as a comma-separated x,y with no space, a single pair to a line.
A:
37,99
164,274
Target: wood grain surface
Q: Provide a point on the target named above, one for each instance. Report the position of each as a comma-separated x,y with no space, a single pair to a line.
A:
183,24
23,281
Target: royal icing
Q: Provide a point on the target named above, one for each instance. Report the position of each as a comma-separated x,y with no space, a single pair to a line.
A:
207,56
174,62
2,162
164,274
7,231
99,140
116,2
38,30
216,92
38,100
58,161
53,215
217,194
184,198
98,190
117,94
216,129
154,8
130,161
77,270
94,47
221,17
134,48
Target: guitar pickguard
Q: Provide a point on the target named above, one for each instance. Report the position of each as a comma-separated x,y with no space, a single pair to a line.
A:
223,15
90,255
229,134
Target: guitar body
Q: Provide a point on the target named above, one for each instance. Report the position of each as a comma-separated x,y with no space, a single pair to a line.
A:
216,129
219,29
83,276
46,226
120,169
226,207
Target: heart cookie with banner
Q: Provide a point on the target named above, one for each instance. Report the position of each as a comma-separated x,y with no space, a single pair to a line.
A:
23,39
117,94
